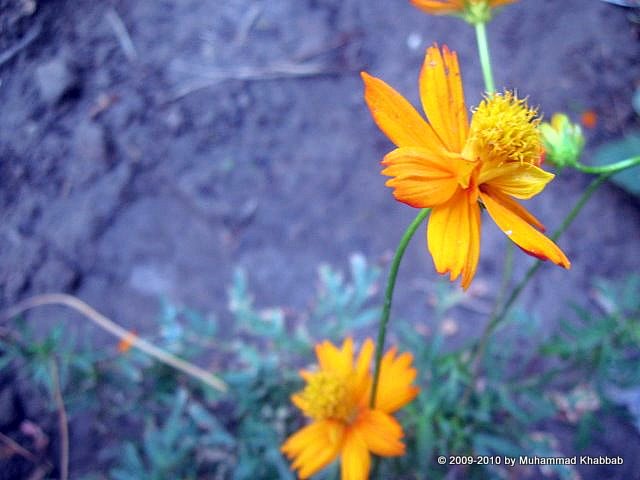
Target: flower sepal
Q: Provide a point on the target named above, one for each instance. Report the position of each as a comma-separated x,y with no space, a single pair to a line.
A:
475,13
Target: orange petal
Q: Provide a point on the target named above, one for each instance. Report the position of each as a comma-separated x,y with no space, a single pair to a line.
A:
424,178
453,236
333,359
395,116
395,385
442,7
314,446
356,460
306,374
296,443
442,97
382,433
363,375
439,7
364,358
589,119
299,401
347,351
520,180
125,344
521,233
514,206
499,3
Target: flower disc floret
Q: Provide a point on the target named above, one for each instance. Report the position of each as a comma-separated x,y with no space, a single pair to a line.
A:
329,395
504,129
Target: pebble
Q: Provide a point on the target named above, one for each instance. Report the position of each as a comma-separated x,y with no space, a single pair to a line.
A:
414,41
54,78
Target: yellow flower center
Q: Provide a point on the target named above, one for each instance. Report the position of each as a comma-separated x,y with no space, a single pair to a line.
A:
505,129
328,395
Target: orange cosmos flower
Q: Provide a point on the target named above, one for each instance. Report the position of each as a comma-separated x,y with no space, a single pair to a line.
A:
453,167
336,398
449,7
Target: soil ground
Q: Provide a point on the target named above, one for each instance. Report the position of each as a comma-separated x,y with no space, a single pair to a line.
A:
148,148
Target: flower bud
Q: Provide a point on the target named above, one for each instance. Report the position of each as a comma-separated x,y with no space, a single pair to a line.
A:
563,141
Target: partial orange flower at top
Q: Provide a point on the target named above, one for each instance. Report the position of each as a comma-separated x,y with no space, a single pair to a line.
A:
472,10
336,398
454,167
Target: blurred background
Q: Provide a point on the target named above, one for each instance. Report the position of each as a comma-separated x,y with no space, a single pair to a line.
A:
149,148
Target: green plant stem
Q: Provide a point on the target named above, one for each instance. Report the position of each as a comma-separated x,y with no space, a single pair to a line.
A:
612,168
485,58
113,328
507,272
500,315
63,423
388,298
487,72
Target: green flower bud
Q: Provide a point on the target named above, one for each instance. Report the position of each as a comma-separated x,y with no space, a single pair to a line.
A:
563,141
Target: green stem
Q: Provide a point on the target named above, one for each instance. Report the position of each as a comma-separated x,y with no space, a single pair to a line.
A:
507,272
485,63
63,422
499,316
613,168
485,58
388,297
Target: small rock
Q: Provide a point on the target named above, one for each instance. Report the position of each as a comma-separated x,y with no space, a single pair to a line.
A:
54,78
28,7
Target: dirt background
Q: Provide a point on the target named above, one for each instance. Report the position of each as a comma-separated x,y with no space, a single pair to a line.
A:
224,133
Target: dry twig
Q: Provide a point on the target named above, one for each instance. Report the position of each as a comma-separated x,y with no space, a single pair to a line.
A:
17,448
113,328
247,22
271,72
301,66
121,33
22,44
